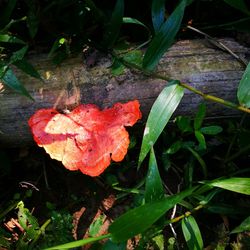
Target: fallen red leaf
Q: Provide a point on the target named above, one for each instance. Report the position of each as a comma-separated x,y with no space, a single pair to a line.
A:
87,138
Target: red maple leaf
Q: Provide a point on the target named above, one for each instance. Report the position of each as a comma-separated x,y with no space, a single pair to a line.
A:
87,138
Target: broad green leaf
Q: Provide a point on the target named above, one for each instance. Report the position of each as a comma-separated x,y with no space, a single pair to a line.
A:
153,188
211,130
235,184
18,55
164,37
26,67
238,4
139,219
243,92
158,12
78,243
4,38
199,117
192,233
159,115
244,226
109,245
113,28
226,209
7,11
201,139
11,80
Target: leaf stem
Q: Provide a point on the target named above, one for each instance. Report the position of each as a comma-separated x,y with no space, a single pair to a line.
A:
188,213
212,98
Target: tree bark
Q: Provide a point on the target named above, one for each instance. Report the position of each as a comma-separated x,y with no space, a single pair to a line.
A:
195,62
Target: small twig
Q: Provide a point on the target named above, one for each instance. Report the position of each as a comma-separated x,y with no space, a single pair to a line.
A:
45,176
219,45
188,213
234,139
26,184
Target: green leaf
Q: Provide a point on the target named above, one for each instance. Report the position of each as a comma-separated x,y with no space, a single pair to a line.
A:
192,233
238,4
159,115
11,80
235,184
109,245
7,11
158,12
78,243
113,28
131,20
139,219
244,226
211,130
28,222
4,38
200,115
18,55
174,148
199,159
201,139
164,37
153,188
134,56
56,45
26,67
243,92
184,124
32,19
95,226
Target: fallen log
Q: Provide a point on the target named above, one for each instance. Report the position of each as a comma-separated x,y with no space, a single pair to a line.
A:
195,62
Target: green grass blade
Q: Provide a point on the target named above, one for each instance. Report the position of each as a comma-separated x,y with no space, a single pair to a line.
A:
164,37
192,233
139,219
113,28
243,92
153,188
244,226
5,38
28,68
7,11
239,5
11,81
160,113
18,55
78,243
235,184
199,117
158,12
199,159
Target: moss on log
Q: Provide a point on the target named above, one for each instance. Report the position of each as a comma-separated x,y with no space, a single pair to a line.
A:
193,61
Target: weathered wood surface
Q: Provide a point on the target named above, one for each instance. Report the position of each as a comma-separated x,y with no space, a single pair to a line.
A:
195,62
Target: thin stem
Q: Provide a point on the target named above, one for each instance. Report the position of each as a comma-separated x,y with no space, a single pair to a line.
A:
243,150
188,213
229,104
